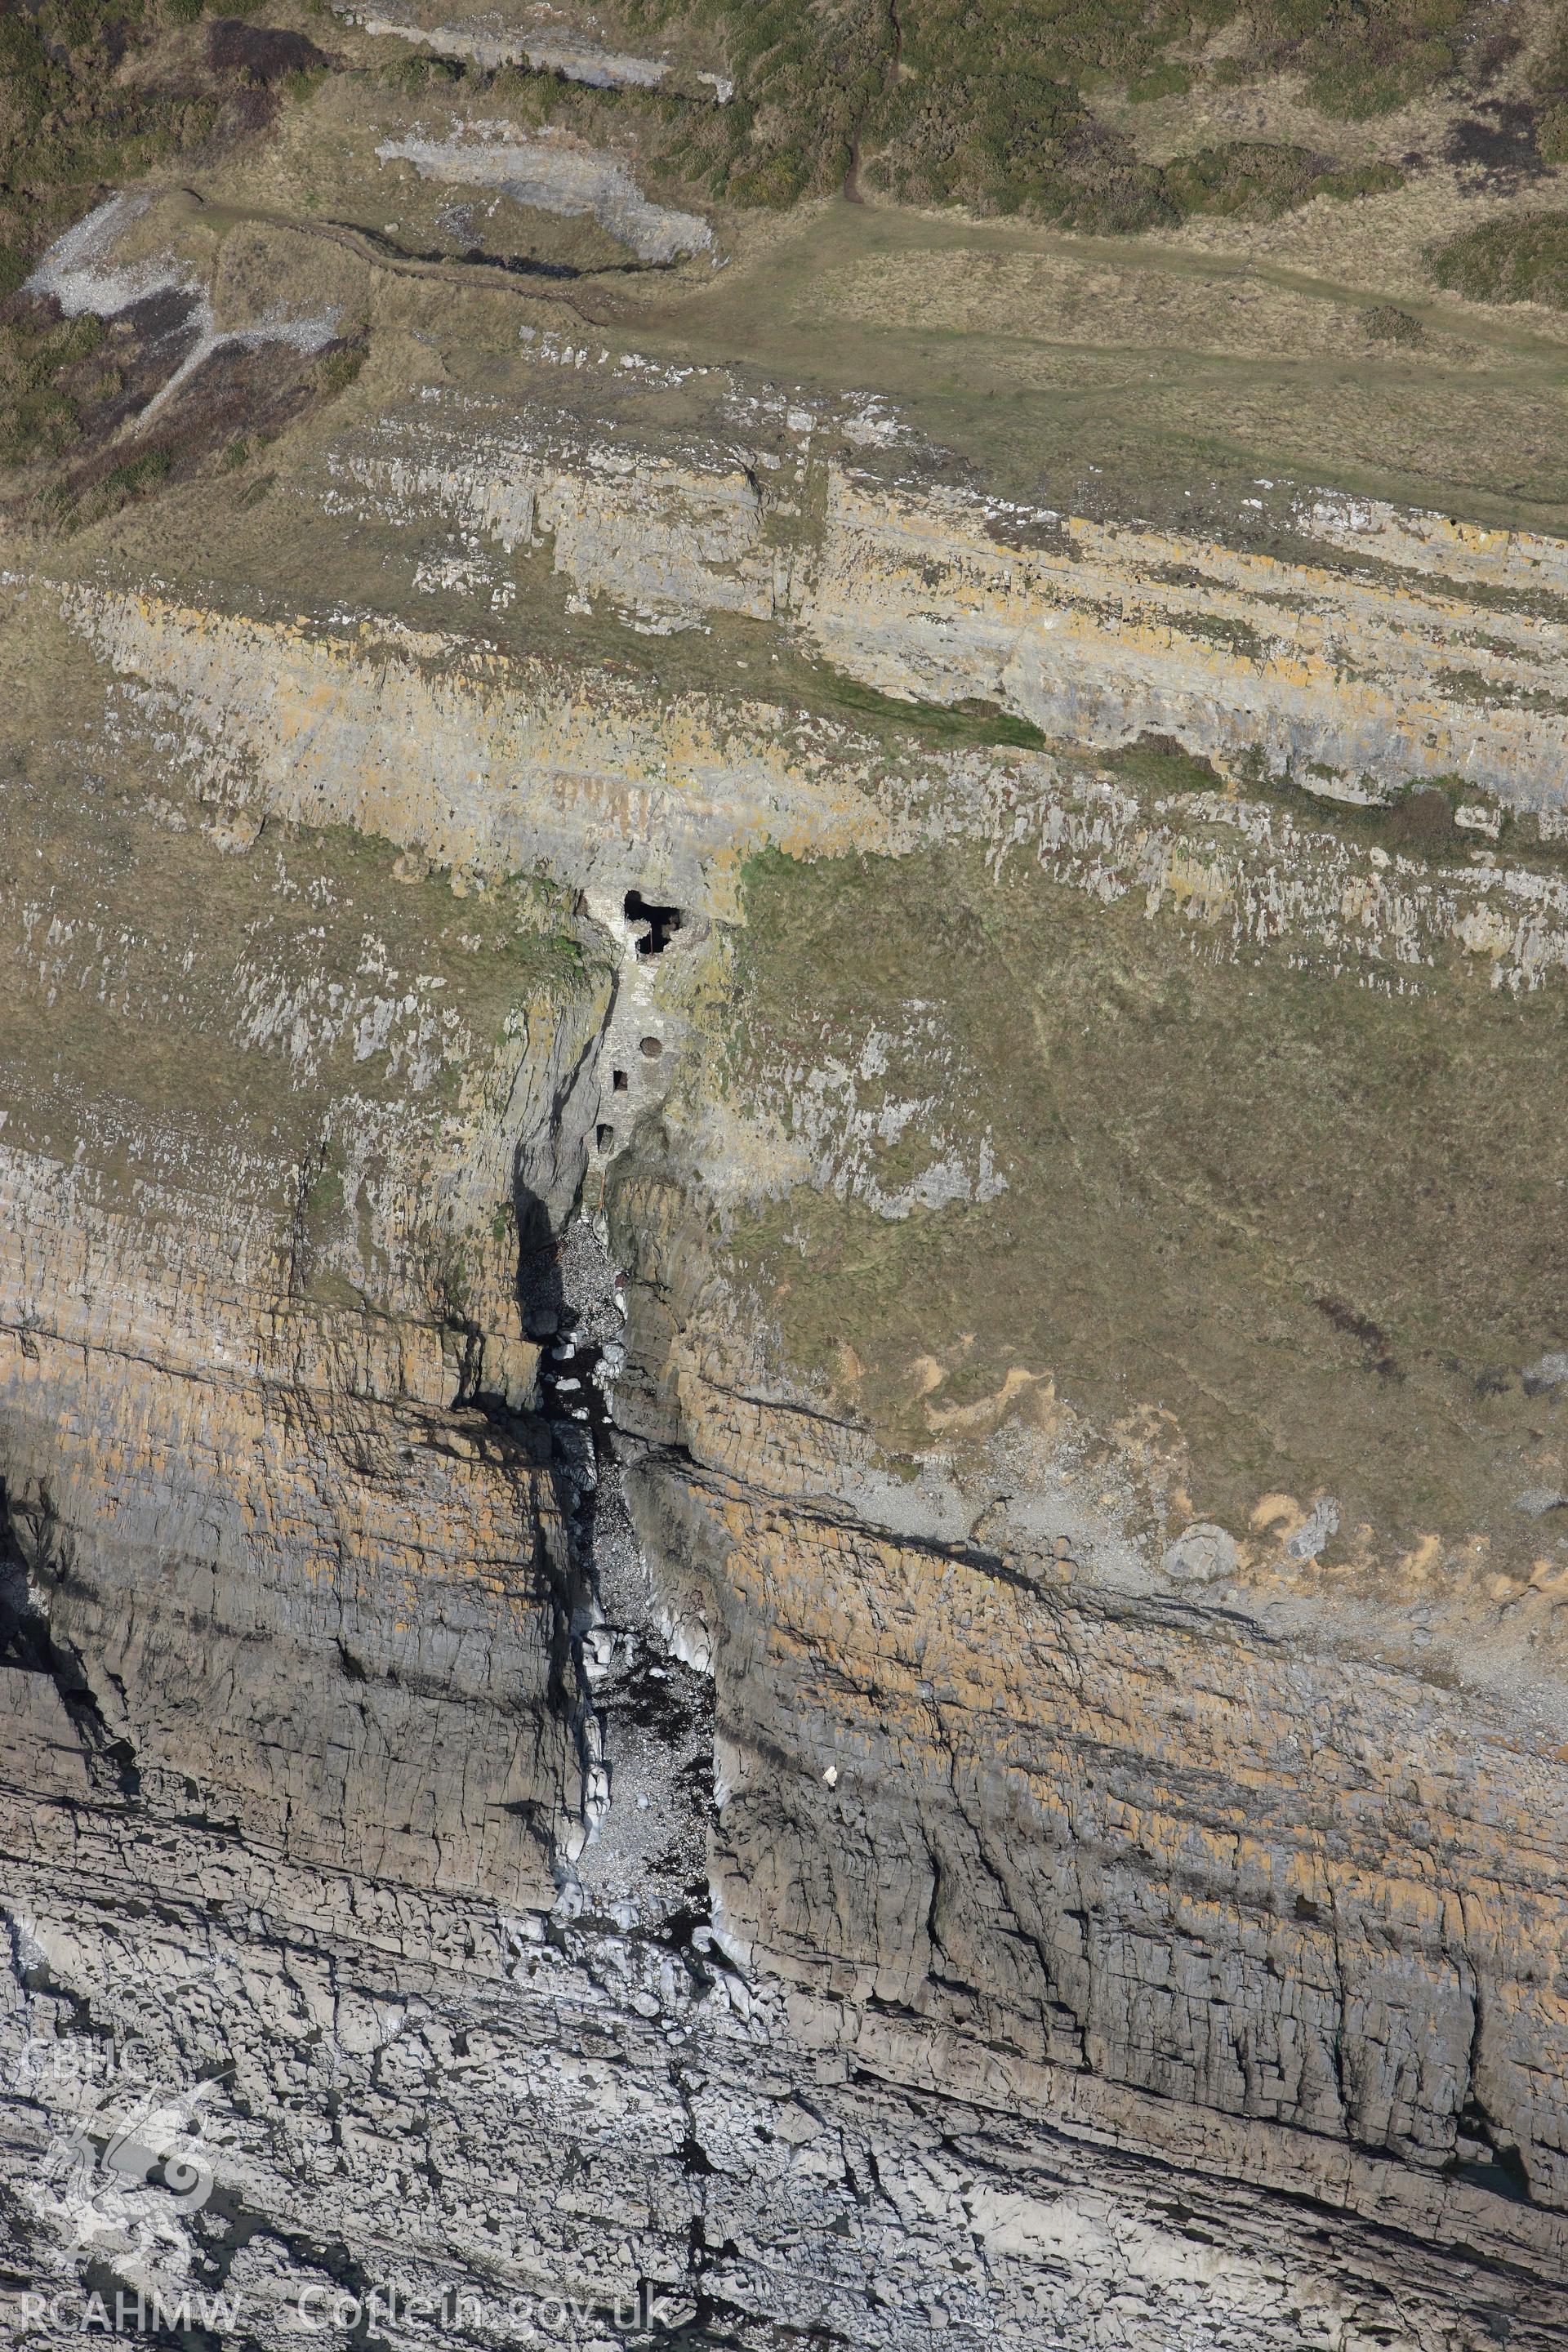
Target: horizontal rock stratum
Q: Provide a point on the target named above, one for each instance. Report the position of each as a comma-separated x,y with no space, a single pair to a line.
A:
1410,648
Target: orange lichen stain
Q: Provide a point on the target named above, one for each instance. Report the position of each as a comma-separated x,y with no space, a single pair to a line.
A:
1022,1395
1417,1564
1282,1511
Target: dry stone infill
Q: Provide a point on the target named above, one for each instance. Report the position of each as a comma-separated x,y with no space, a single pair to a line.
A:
545,45
93,269
555,173
547,48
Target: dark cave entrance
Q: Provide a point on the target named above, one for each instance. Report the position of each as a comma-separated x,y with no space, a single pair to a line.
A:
661,923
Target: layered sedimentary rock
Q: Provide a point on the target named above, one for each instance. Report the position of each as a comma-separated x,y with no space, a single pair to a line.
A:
476,762
736,1587
255,1291
1033,1822
1433,651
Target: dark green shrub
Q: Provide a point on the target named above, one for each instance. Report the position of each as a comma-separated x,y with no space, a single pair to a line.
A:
1385,323
1549,85
139,474
1246,181
1253,181
981,101
341,368
1522,259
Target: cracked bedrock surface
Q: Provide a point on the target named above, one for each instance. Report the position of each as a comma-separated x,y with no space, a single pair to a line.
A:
781,1390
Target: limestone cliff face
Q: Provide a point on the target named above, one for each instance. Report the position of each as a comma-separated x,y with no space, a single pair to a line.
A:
743,1508
247,1352
475,763
1385,648
1106,1851
1112,634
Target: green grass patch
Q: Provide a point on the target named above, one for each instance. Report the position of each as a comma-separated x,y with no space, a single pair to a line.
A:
1549,87
139,474
970,722
38,414
1165,81
1522,259
1163,767
1198,1153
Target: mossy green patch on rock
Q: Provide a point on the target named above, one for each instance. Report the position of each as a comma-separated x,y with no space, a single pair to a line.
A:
952,723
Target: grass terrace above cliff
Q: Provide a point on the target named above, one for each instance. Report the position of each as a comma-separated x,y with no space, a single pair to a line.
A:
1206,1214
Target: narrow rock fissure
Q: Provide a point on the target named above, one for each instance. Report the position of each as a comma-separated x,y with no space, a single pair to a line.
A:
1485,2157
644,1718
